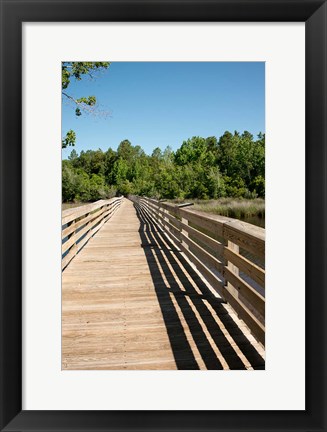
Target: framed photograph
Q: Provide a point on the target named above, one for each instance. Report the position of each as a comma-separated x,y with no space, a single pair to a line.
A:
142,286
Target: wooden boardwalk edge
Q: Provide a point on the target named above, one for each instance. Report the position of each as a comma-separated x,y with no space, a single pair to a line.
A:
131,300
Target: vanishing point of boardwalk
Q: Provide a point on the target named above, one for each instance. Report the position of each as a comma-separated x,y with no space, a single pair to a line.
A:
132,300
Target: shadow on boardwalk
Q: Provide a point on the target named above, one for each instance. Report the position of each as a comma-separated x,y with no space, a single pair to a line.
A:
231,349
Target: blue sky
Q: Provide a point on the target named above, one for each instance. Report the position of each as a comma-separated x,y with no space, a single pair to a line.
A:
160,104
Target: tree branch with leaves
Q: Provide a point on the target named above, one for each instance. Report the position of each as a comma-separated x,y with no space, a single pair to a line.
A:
85,104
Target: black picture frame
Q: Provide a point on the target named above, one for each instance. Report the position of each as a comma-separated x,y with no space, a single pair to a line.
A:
13,14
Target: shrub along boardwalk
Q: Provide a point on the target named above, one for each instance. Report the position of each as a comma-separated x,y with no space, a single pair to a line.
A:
131,300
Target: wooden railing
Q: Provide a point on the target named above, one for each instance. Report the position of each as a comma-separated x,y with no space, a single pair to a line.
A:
81,223
230,254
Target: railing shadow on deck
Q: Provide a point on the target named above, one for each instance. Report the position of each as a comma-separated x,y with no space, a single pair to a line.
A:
160,251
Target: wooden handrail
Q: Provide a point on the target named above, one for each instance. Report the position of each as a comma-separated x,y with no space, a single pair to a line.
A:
79,224
229,253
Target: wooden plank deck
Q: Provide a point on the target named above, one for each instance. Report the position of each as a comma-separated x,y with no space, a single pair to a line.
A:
131,300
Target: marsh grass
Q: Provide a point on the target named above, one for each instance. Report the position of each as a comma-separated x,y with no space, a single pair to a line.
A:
68,205
232,207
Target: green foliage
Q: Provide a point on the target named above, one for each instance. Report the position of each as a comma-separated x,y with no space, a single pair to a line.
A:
125,187
97,189
215,183
69,139
77,70
258,185
73,155
90,100
235,186
233,166
192,150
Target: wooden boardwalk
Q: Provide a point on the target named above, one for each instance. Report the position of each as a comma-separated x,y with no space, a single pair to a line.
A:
131,300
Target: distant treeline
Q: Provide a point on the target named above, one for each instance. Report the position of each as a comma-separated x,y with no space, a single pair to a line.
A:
231,166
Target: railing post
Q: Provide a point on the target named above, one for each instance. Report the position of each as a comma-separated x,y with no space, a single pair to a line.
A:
107,209
154,211
184,232
90,222
84,223
68,237
235,248
166,225
71,234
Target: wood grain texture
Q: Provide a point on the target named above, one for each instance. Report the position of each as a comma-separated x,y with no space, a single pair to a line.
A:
79,225
132,300
239,280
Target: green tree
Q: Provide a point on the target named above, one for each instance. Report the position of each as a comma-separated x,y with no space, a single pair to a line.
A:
192,150
125,150
202,168
215,183
109,161
120,170
73,155
97,187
